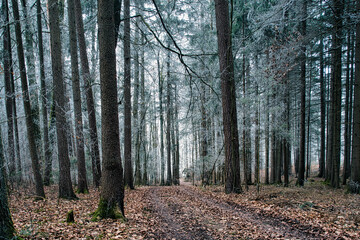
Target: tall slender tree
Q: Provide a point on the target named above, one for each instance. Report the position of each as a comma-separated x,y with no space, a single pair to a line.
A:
338,6
30,125
354,183
9,93
128,172
231,138
112,184
80,153
65,185
7,229
94,143
168,117
43,97
301,174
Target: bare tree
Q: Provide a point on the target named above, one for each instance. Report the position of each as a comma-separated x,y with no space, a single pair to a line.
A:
65,185
112,189
30,125
231,138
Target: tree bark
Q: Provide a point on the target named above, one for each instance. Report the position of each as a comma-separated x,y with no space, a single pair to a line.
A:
80,153
161,84
228,93
65,185
7,229
47,151
338,6
322,112
94,144
168,119
348,109
9,92
112,190
354,184
128,172
30,125
301,174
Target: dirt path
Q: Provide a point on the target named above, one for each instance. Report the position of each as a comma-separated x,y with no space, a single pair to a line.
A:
184,212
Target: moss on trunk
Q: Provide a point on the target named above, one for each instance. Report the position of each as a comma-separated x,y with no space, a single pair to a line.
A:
106,209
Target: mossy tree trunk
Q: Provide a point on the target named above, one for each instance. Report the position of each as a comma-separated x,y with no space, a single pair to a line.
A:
112,190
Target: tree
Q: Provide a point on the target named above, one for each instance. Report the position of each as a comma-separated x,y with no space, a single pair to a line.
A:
94,144
80,153
30,125
231,138
112,190
338,6
128,172
47,151
9,92
322,111
168,117
162,159
301,174
65,185
6,224
354,184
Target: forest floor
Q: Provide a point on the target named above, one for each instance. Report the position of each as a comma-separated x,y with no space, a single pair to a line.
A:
187,212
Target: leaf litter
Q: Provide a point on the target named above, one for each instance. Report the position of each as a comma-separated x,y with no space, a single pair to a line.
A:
188,212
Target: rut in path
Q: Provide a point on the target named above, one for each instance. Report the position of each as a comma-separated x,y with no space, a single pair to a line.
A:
184,213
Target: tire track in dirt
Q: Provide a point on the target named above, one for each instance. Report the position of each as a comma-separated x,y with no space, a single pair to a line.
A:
269,225
174,223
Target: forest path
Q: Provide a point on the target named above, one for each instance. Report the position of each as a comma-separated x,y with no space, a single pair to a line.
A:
186,212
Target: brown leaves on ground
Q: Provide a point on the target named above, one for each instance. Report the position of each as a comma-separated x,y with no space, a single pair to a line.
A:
186,212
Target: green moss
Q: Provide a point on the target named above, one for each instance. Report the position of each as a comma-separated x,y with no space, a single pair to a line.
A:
106,210
84,191
70,217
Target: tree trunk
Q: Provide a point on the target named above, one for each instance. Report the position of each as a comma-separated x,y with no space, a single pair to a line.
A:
7,229
177,141
9,92
203,137
322,112
94,144
161,84
80,153
348,121
30,126
354,184
128,172
267,137
143,114
257,136
228,92
308,153
168,119
112,185
301,174
338,6
136,104
65,185
30,60
47,151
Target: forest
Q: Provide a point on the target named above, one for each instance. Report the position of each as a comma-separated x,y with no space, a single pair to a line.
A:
180,119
